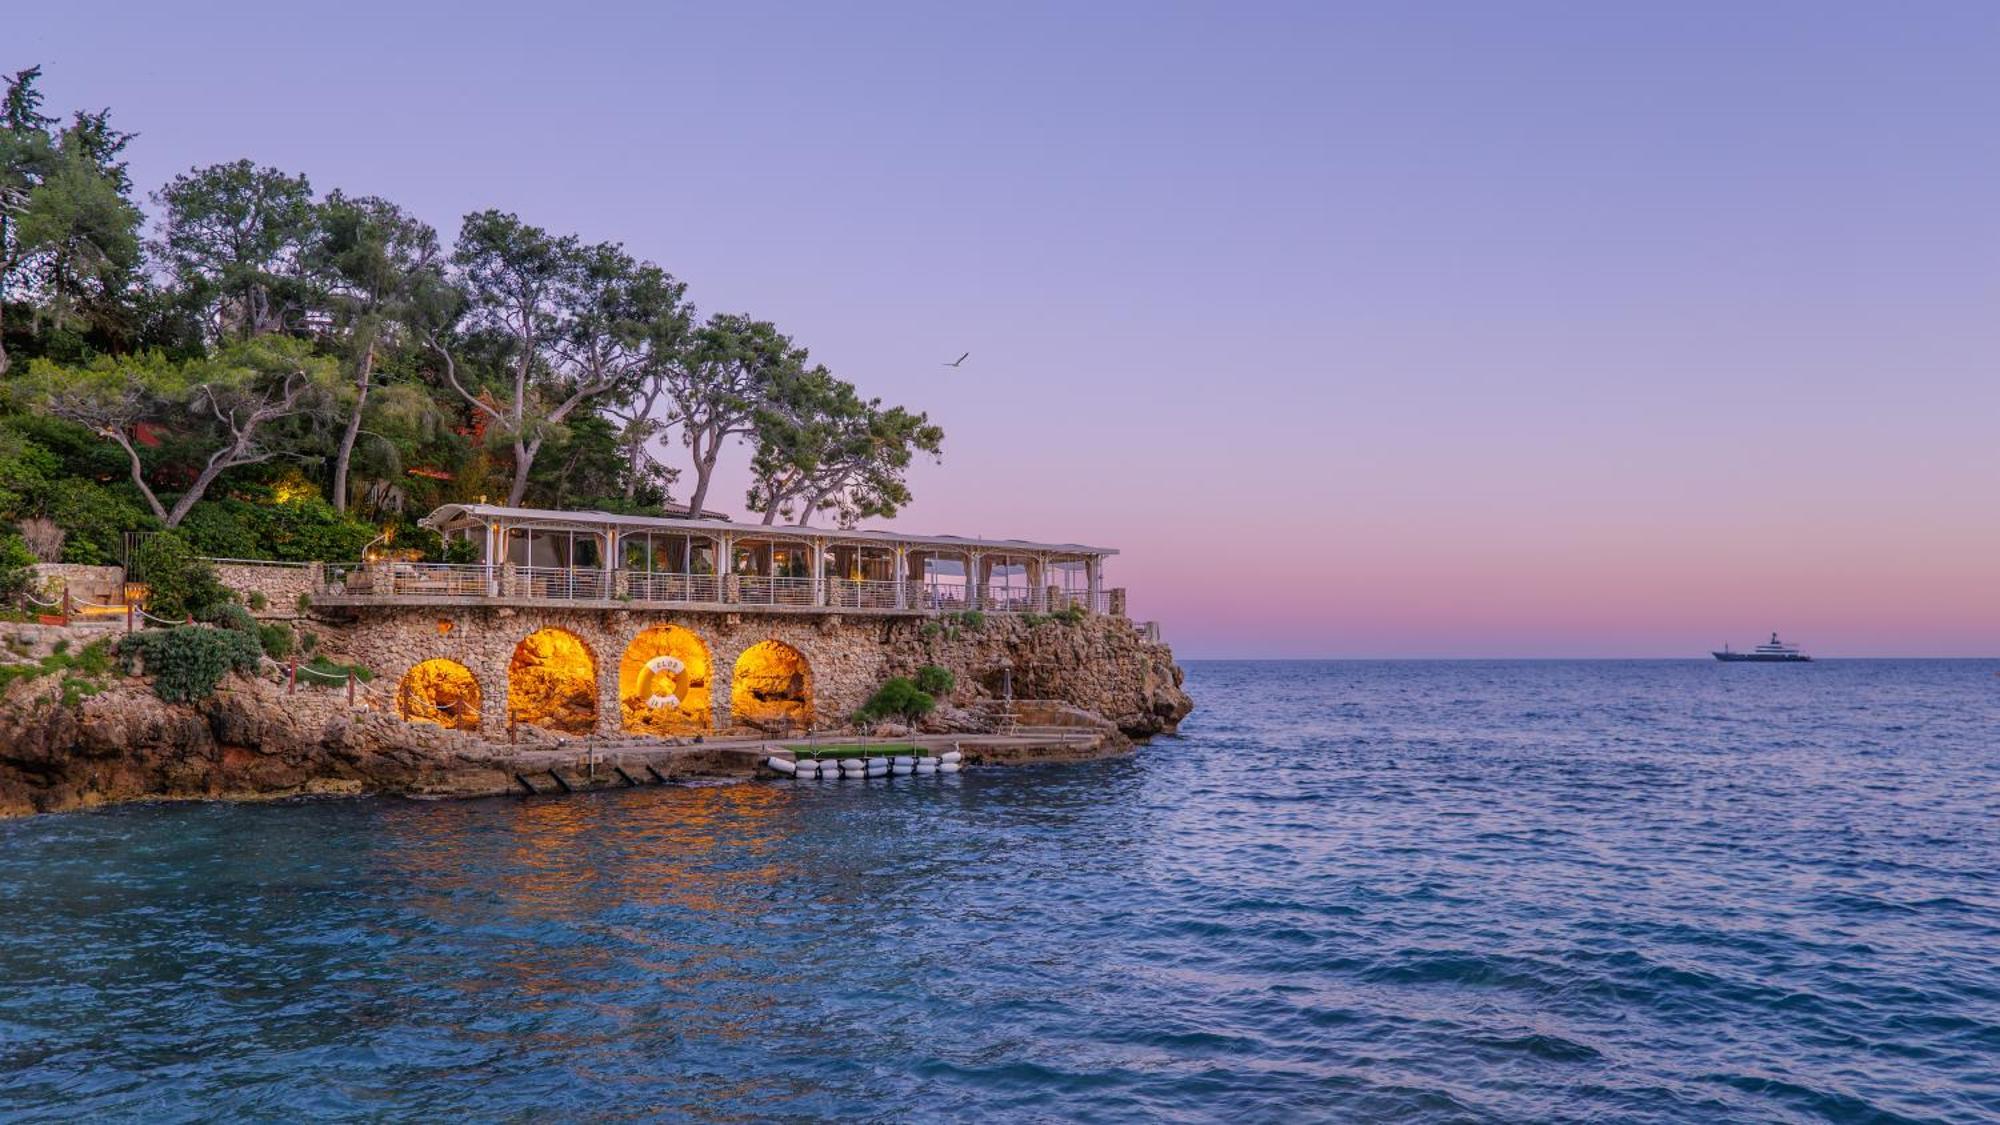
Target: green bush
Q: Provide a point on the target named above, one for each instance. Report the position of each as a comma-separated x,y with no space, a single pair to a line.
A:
1070,615
90,666
188,661
178,583
328,670
16,566
276,639
94,519
257,601
935,680
897,698
229,615
308,641
298,529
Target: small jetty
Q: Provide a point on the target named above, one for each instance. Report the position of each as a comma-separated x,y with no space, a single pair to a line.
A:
586,765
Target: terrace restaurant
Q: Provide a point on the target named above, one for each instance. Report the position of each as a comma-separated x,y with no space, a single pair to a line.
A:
533,556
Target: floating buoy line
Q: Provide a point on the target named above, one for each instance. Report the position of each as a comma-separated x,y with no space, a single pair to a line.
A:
911,762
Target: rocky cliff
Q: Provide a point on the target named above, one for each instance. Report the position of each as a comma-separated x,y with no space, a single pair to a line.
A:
254,739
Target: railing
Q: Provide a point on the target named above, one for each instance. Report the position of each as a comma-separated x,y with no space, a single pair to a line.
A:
938,598
1010,599
848,593
658,587
752,589
1083,599
561,583
436,580
477,580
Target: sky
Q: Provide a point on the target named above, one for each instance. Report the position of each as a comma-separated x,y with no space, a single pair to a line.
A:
1361,330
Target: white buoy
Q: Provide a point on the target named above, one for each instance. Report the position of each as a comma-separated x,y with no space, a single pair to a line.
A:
782,765
903,760
900,767
925,765
949,767
950,756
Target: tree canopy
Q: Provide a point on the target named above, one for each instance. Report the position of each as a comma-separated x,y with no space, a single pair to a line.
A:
273,370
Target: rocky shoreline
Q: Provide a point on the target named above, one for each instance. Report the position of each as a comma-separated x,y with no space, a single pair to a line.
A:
1081,690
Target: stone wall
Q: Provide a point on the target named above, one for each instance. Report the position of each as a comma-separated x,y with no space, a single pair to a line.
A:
1102,664
280,583
102,584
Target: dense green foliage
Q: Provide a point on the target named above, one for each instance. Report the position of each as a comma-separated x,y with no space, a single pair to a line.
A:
83,672
934,679
898,697
188,661
179,583
278,373
15,559
276,639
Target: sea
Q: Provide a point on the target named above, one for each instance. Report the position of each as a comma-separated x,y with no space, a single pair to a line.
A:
1346,891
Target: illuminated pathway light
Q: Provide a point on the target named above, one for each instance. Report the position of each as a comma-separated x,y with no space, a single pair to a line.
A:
552,683
663,682
442,692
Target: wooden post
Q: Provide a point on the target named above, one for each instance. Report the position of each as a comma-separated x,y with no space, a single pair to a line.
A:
292,678
129,626
350,687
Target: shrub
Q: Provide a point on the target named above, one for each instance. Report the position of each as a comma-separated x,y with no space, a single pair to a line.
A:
257,601
935,680
329,670
276,639
229,615
1070,615
308,641
177,582
16,566
972,619
90,665
188,661
897,697
94,519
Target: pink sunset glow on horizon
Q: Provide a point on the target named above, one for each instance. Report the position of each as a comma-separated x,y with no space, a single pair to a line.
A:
1533,332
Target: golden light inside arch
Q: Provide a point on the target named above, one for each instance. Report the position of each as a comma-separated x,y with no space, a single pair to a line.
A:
663,682
771,687
552,683
442,692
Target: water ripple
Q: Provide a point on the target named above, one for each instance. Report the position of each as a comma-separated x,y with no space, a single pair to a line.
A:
1479,891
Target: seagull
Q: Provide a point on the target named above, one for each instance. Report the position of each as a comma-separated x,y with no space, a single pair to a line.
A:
956,362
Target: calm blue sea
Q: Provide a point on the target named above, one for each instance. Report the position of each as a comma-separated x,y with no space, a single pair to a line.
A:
1655,891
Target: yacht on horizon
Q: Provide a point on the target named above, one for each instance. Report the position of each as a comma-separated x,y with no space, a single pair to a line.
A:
1773,651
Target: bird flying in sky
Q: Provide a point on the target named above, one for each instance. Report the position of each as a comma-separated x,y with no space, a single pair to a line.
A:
959,360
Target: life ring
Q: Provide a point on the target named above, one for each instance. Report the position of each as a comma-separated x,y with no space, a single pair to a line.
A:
665,683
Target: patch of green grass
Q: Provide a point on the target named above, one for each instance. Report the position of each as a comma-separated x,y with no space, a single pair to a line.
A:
863,750
90,665
330,669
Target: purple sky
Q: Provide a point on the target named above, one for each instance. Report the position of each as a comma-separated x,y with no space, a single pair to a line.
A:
1397,330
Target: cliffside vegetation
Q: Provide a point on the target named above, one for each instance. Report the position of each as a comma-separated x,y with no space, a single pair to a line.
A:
273,371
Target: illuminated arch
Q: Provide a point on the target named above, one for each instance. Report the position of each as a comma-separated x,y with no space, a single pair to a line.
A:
663,682
552,682
440,691
772,687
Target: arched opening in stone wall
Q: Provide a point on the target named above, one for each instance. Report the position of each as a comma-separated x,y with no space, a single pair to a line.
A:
444,692
552,683
663,682
772,688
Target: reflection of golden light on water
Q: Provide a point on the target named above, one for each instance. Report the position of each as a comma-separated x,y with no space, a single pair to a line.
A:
552,682
663,682
772,684
712,852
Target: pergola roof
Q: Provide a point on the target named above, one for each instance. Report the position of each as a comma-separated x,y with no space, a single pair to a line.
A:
452,515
